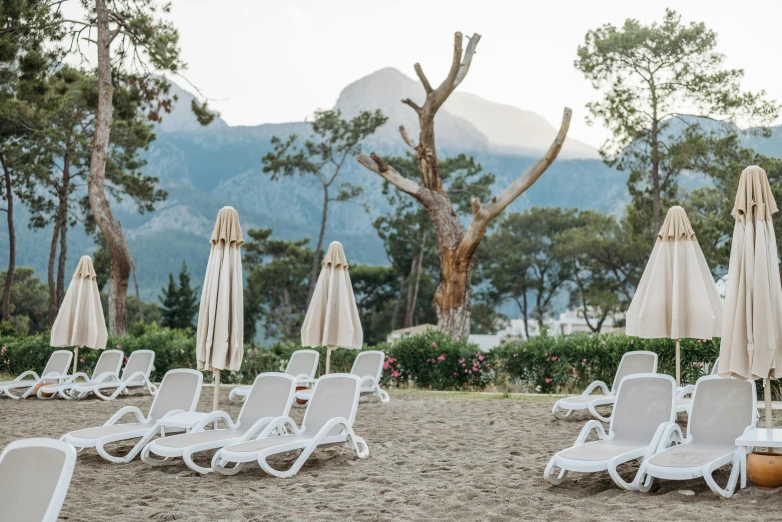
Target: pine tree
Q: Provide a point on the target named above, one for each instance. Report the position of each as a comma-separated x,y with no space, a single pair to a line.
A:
180,301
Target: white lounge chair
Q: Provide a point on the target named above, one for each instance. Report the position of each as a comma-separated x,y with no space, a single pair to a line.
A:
302,365
179,393
368,367
643,410
106,369
722,410
36,475
328,421
632,363
684,395
270,397
55,371
136,375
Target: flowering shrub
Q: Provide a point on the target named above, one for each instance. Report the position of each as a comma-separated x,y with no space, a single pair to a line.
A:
430,360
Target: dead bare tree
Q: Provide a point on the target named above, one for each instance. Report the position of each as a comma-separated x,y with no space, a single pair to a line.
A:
457,246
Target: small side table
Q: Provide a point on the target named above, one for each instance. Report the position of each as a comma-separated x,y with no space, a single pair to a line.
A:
181,422
757,438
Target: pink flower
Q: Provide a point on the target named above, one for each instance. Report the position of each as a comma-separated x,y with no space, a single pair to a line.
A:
392,359
461,361
5,348
395,374
480,357
488,366
575,374
469,371
583,361
119,347
456,373
434,344
515,355
554,358
126,359
441,358
548,380
81,359
386,366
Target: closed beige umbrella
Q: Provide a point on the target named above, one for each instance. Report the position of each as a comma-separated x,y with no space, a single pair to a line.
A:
752,337
332,317
677,297
80,322
220,334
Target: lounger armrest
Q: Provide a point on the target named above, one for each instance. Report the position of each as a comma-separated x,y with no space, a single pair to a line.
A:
76,375
304,377
124,411
368,381
214,417
279,422
257,427
330,425
106,376
28,373
55,376
685,391
665,434
587,429
136,375
597,384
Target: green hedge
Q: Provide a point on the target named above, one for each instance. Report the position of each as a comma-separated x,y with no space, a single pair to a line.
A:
565,364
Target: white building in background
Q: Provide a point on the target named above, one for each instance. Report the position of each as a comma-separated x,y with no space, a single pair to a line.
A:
569,322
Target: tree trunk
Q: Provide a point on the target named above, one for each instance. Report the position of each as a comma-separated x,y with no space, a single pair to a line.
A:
62,218
657,207
420,265
410,283
395,315
139,304
9,275
319,246
110,228
50,273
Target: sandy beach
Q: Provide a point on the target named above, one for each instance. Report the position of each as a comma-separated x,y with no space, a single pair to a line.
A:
432,457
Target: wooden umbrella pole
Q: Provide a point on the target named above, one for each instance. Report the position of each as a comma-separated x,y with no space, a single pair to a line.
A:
678,363
767,397
217,390
328,358
75,358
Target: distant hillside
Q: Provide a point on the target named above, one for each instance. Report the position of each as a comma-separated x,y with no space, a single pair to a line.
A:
204,169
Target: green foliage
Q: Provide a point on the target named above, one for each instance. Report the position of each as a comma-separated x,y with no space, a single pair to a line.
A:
29,302
375,289
180,301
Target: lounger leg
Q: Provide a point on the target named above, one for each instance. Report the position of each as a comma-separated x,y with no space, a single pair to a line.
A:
732,479
556,411
622,483
554,481
643,482
382,394
99,447
188,458
219,465
596,415
155,462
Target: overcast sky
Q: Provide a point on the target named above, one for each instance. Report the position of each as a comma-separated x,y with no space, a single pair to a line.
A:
277,61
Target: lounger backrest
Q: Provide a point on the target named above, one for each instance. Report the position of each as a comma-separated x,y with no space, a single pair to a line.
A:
644,401
36,474
633,363
179,390
59,362
714,366
721,410
139,361
335,395
110,361
271,396
368,364
303,362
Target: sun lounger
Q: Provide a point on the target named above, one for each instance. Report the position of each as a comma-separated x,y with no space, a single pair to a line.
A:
722,410
328,421
136,375
179,393
643,411
106,369
631,363
55,371
270,397
302,365
368,367
36,475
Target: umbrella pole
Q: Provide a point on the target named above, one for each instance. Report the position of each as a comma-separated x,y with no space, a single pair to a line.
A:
75,358
328,358
217,390
767,397
678,363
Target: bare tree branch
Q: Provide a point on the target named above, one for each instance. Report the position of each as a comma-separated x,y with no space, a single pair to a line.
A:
412,104
476,206
421,76
376,164
407,140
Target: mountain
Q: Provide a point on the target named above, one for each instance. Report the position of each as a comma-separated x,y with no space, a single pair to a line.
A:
205,168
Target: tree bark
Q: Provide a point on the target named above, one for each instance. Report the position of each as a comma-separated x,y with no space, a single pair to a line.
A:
319,246
9,275
457,246
62,219
101,209
139,304
395,315
50,273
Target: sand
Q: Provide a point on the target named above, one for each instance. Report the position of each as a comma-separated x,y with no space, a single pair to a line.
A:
432,457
